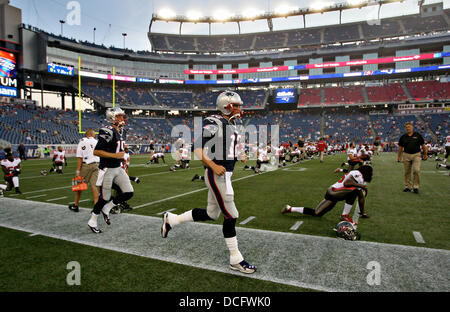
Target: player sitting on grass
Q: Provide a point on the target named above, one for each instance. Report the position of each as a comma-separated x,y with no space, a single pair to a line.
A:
348,188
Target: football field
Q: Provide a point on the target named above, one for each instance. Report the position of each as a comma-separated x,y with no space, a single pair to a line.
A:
407,234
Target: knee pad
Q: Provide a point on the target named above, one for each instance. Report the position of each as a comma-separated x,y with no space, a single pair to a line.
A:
199,214
124,197
229,228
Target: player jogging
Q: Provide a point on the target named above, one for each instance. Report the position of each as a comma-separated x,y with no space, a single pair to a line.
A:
110,149
219,160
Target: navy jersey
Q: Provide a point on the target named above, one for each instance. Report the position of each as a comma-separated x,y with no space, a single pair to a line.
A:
220,138
111,141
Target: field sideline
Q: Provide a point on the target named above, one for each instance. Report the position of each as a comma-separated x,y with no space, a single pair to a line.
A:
395,217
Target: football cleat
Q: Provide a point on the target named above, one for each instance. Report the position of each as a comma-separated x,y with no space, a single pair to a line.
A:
195,177
1,193
165,228
286,209
243,267
137,180
18,191
407,190
95,229
73,208
106,218
337,170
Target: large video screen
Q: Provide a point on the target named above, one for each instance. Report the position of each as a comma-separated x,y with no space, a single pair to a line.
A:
7,65
283,96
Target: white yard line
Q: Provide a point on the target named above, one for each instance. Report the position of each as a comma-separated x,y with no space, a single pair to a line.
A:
55,199
163,212
247,220
419,237
196,191
296,226
36,196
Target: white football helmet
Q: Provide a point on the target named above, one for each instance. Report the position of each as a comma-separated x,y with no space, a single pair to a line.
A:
113,113
229,103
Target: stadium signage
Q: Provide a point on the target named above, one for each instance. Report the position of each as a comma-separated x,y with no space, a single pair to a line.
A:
171,81
60,69
320,65
325,76
8,87
146,80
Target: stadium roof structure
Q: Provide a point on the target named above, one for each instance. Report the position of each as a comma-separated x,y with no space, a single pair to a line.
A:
319,7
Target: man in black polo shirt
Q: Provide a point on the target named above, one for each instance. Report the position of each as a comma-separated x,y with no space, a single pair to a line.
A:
409,146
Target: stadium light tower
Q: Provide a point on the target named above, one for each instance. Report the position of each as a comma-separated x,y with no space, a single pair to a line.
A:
124,35
94,34
62,23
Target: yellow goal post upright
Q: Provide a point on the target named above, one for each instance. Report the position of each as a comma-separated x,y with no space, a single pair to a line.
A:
79,94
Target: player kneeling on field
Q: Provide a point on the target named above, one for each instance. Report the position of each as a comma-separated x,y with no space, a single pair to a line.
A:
11,169
348,188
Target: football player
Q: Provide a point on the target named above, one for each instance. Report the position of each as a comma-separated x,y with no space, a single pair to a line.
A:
352,159
59,158
125,164
11,169
447,148
110,149
155,158
348,188
219,160
262,158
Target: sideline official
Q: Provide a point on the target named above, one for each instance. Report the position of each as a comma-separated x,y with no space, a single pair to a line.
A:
87,166
409,147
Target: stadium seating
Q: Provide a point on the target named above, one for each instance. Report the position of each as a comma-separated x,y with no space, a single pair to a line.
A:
429,89
386,93
309,97
344,95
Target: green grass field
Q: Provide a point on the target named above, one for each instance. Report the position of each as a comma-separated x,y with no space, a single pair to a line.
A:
41,261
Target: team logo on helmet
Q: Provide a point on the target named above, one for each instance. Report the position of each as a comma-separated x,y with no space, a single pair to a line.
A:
112,116
347,230
229,103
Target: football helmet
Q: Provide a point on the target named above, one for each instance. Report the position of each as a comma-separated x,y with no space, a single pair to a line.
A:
229,103
113,113
347,230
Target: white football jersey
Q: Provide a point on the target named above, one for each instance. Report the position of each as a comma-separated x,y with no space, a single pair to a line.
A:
263,154
59,156
11,165
355,174
353,152
185,154
126,161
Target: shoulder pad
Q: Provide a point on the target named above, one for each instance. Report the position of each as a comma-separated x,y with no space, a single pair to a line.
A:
106,133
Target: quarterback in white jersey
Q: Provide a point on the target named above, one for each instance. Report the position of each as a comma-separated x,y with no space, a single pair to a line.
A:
11,169
348,188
